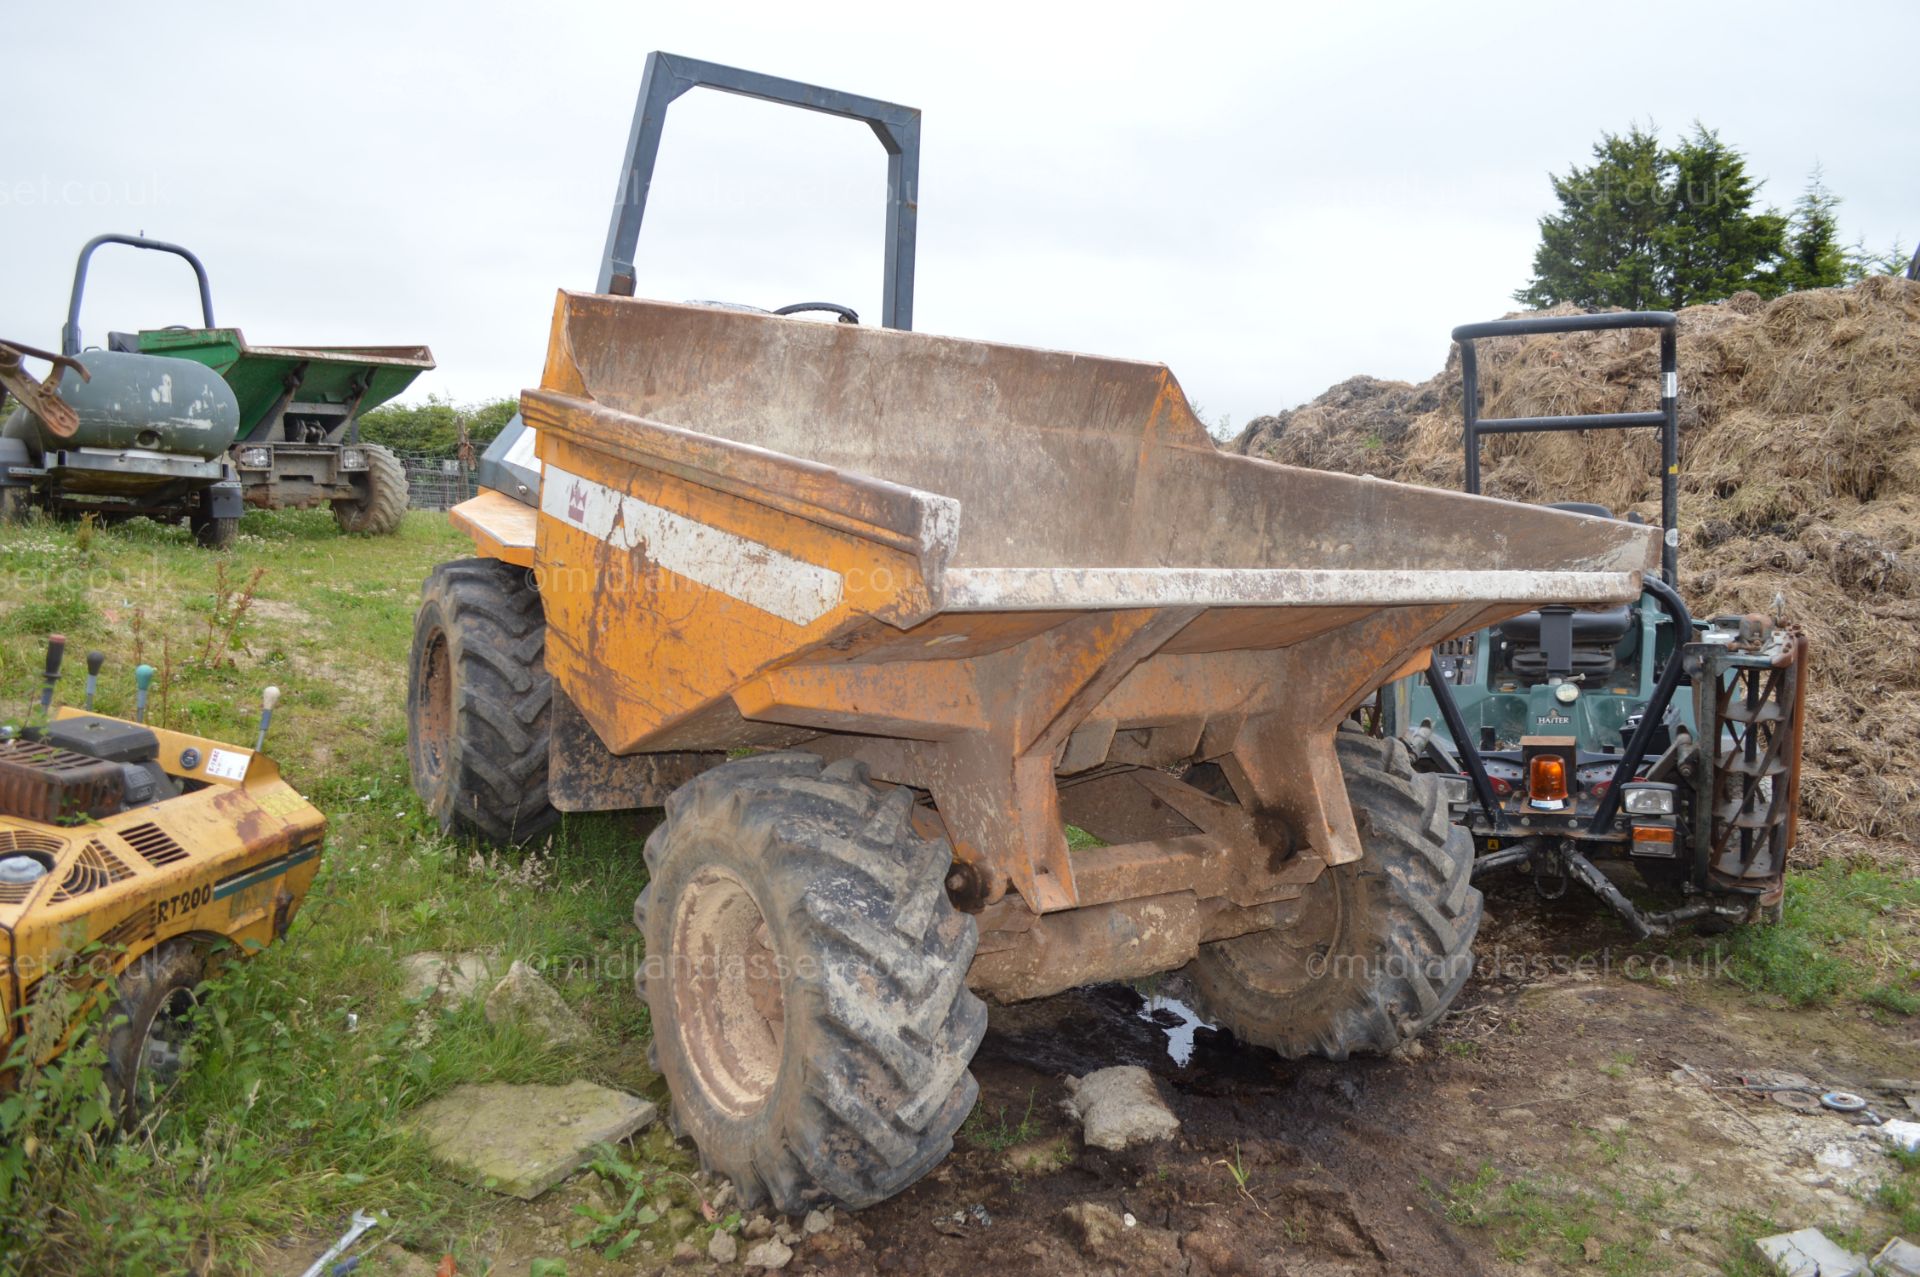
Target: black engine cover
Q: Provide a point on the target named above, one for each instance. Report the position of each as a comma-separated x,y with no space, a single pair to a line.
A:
105,738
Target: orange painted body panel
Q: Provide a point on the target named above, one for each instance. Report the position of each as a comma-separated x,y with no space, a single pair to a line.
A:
501,527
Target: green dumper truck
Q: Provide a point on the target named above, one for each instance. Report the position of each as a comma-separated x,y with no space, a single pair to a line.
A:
269,426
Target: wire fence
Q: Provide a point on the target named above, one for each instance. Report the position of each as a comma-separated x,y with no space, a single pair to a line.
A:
433,482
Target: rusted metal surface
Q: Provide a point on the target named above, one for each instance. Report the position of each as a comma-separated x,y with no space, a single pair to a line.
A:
41,398
1022,956
583,775
982,569
730,1012
45,783
1753,707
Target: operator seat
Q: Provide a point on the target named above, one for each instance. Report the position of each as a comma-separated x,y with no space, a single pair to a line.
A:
1535,639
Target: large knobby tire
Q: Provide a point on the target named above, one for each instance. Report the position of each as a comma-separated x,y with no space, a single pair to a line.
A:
376,509
806,978
147,1027
479,702
1375,950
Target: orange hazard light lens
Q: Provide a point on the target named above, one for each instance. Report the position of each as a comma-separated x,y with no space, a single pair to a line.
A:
1547,778
1653,833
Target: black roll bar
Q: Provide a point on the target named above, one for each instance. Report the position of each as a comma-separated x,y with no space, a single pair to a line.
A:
1666,419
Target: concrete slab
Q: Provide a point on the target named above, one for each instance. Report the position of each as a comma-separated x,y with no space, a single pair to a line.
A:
1808,1253
1898,1258
452,976
522,1140
1905,1134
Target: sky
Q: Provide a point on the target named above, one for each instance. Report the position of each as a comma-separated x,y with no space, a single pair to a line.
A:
1268,199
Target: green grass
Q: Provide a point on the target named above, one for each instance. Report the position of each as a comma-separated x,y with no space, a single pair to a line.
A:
1743,1230
291,1118
1602,1207
995,1132
1846,934
1529,1218
1900,1195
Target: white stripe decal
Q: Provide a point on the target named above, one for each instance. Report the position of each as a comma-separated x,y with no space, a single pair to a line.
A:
759,576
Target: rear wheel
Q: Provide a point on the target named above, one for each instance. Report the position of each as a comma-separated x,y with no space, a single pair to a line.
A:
806,978
479,702
1374,951
379,503
148,1027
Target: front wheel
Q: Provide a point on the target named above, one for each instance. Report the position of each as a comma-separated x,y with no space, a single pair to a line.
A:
148,1027
806,979
379,501
1373,952
479,702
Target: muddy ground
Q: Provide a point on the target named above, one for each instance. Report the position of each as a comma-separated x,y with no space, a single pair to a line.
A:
1559,1120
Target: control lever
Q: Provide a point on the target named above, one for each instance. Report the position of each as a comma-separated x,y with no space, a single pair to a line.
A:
94,661
56,652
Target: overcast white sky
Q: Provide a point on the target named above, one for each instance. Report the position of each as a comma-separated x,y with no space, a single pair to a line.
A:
1268,201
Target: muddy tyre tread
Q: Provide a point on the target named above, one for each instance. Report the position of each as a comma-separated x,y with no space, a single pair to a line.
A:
1418,915
880,1024
379,513
494,780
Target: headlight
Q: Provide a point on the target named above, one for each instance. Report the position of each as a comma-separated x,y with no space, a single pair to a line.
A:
1647,800
353,459
254,458
1456,790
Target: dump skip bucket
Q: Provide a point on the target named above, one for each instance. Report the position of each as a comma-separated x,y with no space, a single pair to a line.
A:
987,567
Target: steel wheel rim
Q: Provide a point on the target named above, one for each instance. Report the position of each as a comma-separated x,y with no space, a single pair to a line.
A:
435,732
161,1056
728,1004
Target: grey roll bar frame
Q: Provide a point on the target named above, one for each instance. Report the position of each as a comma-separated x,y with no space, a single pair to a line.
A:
665,78
668,76
70,331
